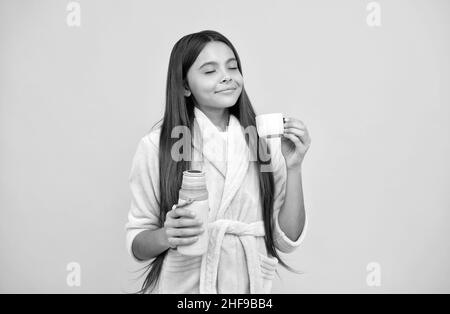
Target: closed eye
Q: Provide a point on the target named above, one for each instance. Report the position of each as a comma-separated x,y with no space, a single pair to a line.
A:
215,71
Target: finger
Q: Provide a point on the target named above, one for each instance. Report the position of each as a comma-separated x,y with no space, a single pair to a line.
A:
302,133
171,242
183,203
292,122
184,232
299,133
295,131
184,222
182,212
293,138
183,241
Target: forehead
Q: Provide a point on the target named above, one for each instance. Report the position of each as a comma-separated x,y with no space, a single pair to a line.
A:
214,51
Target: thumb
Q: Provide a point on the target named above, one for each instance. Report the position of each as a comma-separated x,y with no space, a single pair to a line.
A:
183,203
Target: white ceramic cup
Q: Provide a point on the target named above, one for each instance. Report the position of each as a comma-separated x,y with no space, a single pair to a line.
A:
270,125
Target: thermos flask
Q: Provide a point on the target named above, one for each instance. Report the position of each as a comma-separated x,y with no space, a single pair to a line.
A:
194,187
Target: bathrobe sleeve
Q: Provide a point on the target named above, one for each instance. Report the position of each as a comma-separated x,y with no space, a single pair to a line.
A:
144,186
282,242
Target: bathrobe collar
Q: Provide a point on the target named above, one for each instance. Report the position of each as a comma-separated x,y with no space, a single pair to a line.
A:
215,147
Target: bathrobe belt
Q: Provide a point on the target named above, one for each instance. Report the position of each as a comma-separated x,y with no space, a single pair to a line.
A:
210,261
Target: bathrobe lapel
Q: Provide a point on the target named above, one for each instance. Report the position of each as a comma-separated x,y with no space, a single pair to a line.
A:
208,143
208,139
237,163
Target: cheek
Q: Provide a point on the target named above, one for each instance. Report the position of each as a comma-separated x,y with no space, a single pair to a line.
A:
239,80
202,87
208,84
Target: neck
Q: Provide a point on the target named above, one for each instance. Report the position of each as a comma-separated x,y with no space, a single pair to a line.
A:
219,117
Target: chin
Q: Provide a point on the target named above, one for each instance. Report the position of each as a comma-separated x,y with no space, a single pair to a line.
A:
228,104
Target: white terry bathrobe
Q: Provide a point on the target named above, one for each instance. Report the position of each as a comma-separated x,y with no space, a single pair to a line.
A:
236,260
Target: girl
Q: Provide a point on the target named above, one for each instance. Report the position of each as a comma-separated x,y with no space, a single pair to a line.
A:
253,212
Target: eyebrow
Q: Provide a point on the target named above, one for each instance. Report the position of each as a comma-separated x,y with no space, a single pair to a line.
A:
213,62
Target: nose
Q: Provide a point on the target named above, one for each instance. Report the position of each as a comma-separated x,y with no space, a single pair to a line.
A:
226,78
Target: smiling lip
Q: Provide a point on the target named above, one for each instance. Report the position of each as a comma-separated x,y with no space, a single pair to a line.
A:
226,90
